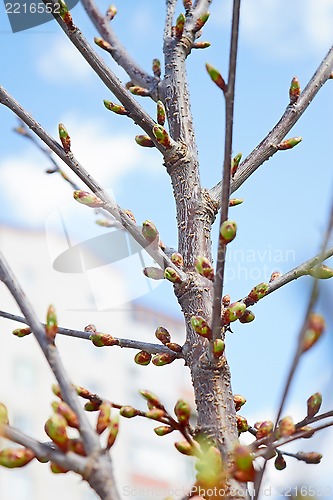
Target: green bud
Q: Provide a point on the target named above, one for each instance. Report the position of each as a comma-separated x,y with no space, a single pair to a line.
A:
204,268
116,108
93,405
163,359
201,22
286,427
103,44
111,12
247,317
239,401
233,312
65,14
162,136
315,328
140,91
201,327
153,400
235,163
51,326
56,428
142,358
21,332
294,90
172,275
228,231
257,293
113,431
235,201
104,417
180,25
3,415
314,404
242,425
16,457
128,412
155,414
154,273
289,143
162,335
185,448
280,462
218,348
183,412
243,464
163,430
56,390
156,68
103,339
177,259
149,231
62,408
144,141
64,137
265,429
216,77
89,199
200,45
321,272
56,469
160,113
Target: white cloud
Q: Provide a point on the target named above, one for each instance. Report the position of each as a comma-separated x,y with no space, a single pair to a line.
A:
62,58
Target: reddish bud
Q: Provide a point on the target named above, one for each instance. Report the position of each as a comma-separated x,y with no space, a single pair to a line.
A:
274,276
315,328
179,28
239,401
16,457
218,348
156,68
104,416
204,268
235,201
280,462
116,108
216,77
163,359
201,21
89,199
142,358
294,90
162,335
154,273
242,425
160,113
136,90
103,339
226,300
149,231
321,272
243,470
183,412
103,44
162,136
76,446
265,429
163,430
177,259
309,458
233,312
66,411
172,275
21,332
187,5
174,347
286,427
111,12
289,143
144,141
56,428
113,431
153,400
228,231
128,412
235,163
64,137
257,293
247,317
313,404
51,326
200,326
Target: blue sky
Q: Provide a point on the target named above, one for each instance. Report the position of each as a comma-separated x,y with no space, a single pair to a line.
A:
286,201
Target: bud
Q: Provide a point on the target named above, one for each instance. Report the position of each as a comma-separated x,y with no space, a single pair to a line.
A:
235,163
156,68
174,347
185,448
162,136
183,412
274,276
280,462
177,259
226,300
243,470
289,143
314,404
239,401
154,273
155,414
204,268
130,215
257,293
309,431
294,90
114,429
200,45
149,231
128,412
76,446
144,141
201,22
321,272
105,223
200,326
162,335
172,275
242,425
64,137
81,391
3,415
309,458
56,390
56,469
218,348
116,108
104,416
103,339
103,44
315,328
286,427
140,91
65,14
228,231
235,201
89,199
247,317
51,326
142,358
21,332
93,405
16,457
163,359
216,77
233,312
180,25
63,409
160,113
163,430
111,12
56,428
265,429
153,400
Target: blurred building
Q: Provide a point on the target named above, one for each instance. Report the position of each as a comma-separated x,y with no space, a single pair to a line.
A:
146,466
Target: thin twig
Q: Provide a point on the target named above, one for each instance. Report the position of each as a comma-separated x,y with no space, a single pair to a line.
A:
170,12
126,343
154,251
137,75
225,194
268,146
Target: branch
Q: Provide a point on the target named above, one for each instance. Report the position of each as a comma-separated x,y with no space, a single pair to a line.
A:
137,75
292,114
156,253
225,194
126,343
170,12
